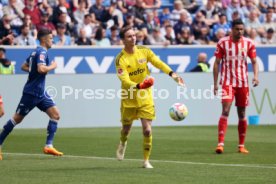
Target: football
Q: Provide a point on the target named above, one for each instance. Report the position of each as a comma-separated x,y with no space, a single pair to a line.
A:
178,111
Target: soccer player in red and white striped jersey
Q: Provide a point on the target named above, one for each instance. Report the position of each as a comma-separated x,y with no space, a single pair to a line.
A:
232,52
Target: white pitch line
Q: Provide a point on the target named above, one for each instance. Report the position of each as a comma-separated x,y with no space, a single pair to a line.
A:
158,161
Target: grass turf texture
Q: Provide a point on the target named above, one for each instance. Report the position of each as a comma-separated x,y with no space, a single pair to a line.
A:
180,155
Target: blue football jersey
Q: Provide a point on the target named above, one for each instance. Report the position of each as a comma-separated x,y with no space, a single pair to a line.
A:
36,81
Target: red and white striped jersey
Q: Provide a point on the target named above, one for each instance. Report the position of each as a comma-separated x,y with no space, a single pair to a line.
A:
234,55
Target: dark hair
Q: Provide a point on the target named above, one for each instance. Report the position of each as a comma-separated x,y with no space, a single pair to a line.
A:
99,34
114,28
43,32
237,22
3,49
87,15
23,26
124,30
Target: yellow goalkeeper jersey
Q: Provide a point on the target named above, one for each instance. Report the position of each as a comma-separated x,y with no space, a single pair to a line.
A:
133,69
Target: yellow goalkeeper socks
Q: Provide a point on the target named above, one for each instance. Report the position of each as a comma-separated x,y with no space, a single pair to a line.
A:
147,147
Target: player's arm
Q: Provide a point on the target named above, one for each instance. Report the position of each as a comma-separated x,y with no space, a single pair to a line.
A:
252,55
215,74
219,53
1,107
255,66
25,67
43,69
123,75
155,61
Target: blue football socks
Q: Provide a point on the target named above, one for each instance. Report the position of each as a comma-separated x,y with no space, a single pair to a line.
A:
51,130
8,127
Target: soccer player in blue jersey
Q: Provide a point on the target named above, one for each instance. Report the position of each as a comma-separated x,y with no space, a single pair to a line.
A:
34,95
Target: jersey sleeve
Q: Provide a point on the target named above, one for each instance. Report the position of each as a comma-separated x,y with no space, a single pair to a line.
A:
252,51
122,73
42,58
155,61
219,51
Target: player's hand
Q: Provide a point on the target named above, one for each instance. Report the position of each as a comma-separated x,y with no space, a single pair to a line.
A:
215,89
148,82
178,79
255,82
54,64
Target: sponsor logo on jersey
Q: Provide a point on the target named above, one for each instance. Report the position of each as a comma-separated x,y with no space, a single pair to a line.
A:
42,57
243,51
141,61
137,72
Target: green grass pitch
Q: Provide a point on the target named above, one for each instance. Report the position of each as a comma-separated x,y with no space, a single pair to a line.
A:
180,155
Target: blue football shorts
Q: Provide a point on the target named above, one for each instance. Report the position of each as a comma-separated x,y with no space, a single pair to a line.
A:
28,102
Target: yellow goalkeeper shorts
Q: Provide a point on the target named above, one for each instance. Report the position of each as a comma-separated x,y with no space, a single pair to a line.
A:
130,114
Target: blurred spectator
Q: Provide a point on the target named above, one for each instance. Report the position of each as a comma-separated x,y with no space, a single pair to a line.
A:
61,38
163,29
130,21
235,16
15,10
27,21
63,18
199,23
181,23
6,67
269,22
220,33
185,37
114,36
250,6
269,10
252,22
234,7
156,38
32,10
270,37
122,6
25,38
202,64
156,17
102,14
138,11
168,34
253,35
6,34
222,24
225,3
1,10
264,4
116,14
82,39
151,4
100,38
130,2
45,24
204,36
88,25
150,24
141,38
164,15
212,11
178,8
63,8
191,5
81,11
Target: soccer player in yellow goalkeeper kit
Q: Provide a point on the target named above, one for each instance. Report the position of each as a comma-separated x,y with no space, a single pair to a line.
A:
137,100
